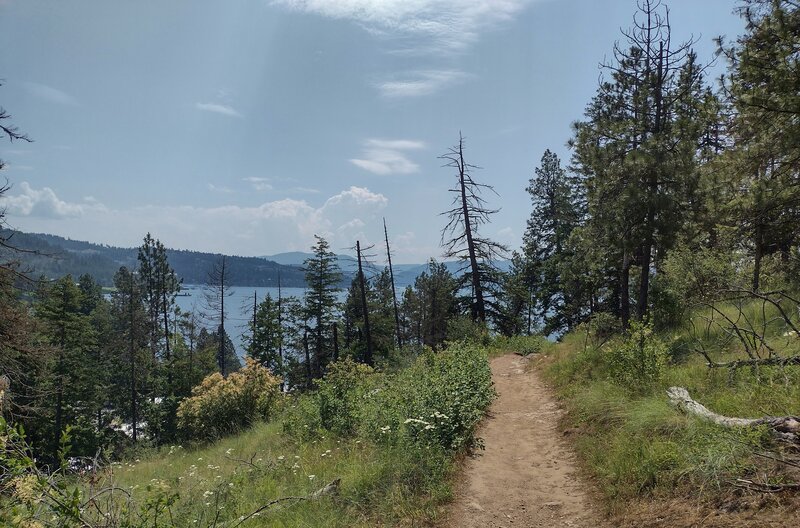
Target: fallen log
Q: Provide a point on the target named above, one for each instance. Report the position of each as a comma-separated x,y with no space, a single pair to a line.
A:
786,428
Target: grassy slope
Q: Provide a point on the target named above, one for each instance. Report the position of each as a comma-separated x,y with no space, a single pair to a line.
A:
393,470
373,491
638,446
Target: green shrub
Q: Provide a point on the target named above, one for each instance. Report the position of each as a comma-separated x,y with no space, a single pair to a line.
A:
341,394
521,344
464,329
221,406
640,360
435,403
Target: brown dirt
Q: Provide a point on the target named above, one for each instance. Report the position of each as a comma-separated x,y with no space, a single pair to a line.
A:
527,474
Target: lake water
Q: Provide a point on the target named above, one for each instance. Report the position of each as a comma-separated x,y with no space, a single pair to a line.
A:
239,306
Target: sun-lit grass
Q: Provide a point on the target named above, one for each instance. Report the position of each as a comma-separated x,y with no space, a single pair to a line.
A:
636,444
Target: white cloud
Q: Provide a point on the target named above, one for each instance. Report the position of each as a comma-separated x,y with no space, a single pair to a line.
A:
218,109
384,157
271,227
259,184
303,190
420,83
50,94
440,26
45,204
219,189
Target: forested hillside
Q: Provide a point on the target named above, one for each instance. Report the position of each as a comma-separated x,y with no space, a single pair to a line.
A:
55,256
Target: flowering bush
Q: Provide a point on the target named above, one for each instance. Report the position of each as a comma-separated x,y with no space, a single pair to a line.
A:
220,406
437,402
434,403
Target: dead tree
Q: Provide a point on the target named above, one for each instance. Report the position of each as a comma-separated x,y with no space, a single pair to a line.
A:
460,236
364,306
217,289
725,320
394,291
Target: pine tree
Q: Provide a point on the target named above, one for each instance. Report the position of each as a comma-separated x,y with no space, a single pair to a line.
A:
430,305
130,317
266,335
68,331
556,212
322,276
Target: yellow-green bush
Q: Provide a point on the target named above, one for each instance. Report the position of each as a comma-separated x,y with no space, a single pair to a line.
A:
220,406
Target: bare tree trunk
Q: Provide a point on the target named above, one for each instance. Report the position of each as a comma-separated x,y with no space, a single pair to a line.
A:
368,356
167,352
221,350
280,334
480,308
394,292
784,427
335,342
132,353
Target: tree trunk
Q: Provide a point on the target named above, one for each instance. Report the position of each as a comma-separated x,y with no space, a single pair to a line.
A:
480,308
759,254
308,360
132,354
624,291
335,342
394,292
364,307
167,352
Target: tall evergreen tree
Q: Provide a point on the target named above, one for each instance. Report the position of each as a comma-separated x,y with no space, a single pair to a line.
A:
266,335
556,212
68,330
130,317
323,276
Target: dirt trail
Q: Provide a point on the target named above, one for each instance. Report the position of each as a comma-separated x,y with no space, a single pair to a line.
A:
527,475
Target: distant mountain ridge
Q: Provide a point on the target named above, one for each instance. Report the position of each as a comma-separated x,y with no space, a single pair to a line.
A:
55,256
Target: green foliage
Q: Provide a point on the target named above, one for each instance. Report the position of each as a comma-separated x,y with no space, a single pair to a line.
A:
639,360
429,305
323,276
436,403
634,442
221,406
340,396
521,344
464,329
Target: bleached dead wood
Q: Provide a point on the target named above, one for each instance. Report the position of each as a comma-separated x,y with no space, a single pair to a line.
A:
786,428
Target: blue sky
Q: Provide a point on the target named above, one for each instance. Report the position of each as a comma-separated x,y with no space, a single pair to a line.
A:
247,126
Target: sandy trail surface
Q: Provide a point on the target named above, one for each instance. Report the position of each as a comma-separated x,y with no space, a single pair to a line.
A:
526,476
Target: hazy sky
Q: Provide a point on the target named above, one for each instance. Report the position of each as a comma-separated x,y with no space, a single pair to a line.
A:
247,126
